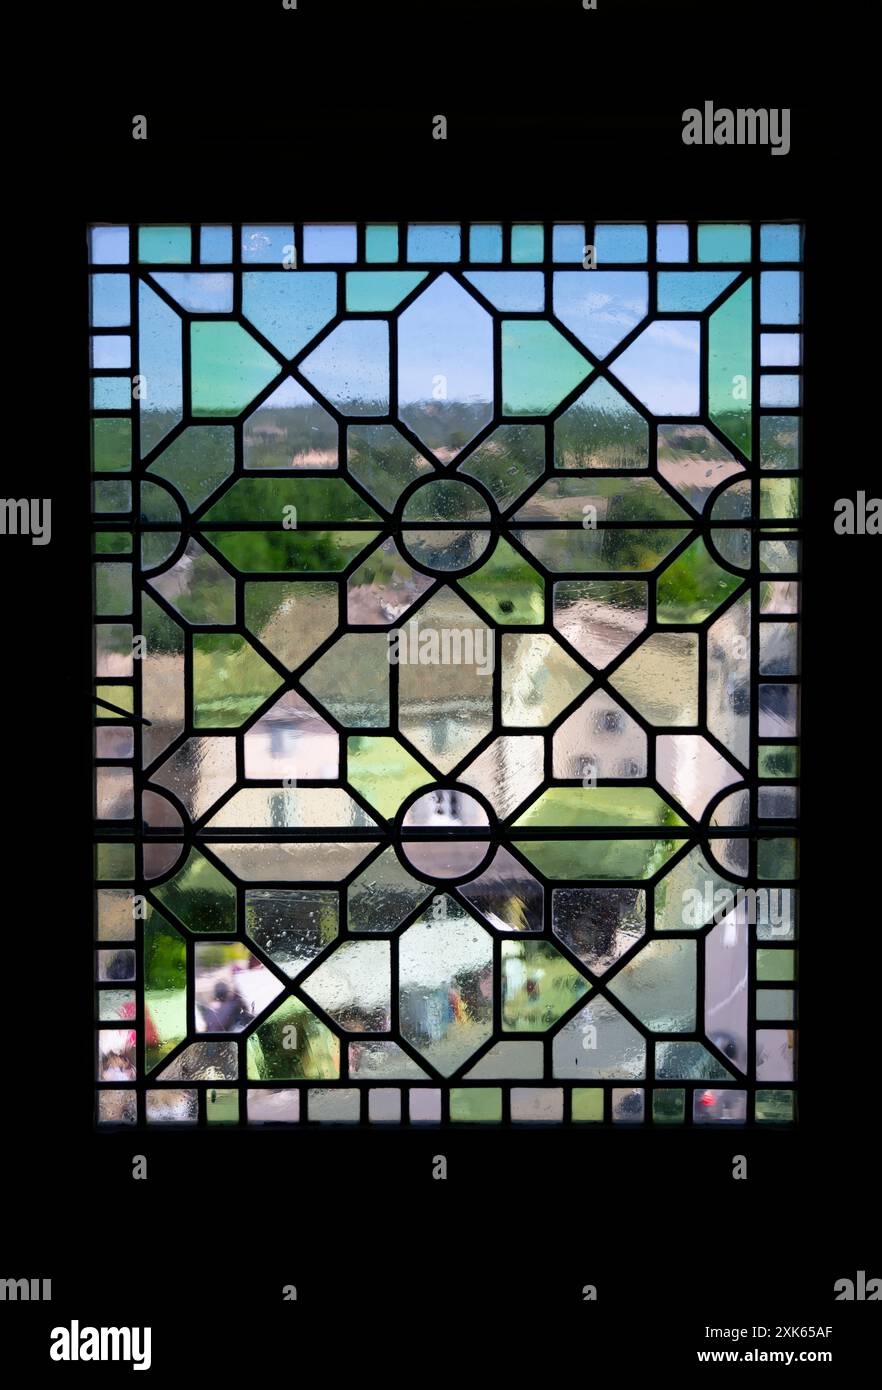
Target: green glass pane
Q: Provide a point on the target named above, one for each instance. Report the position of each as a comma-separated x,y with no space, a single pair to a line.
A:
120,695
571,859
221,1107
288,502
476,1104
779,498
115,860
230,680
112,444
668,1107
778,760
508,588
538,986
199,896
774,1107
113,543
776,858
539,367
600,806
292,1044
322,552
373,291
730,360
693,586
775,964
165,988
383,772
595,499
587,1105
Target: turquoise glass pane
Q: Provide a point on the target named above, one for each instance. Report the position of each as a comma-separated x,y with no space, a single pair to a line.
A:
111,392
381,242
527,242
168,245
724,241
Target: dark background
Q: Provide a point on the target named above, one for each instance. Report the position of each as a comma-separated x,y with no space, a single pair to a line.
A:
552,113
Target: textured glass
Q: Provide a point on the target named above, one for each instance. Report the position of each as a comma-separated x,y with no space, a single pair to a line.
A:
447,672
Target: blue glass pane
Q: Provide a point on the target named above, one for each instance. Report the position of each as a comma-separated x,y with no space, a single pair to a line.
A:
568,242
780,296
266,244
622,241
780,389
672,241
109,245
433,242
781,241
330,242
216,245
110,301
112,350
485,242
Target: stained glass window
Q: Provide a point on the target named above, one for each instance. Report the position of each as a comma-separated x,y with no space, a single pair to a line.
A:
446,672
